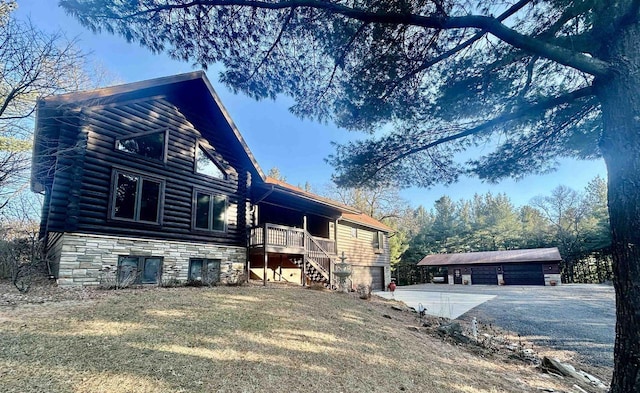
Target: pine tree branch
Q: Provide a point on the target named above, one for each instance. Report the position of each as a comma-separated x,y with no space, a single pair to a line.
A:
538,107
463,45
489,24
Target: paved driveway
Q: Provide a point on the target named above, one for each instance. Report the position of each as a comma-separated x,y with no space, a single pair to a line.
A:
437,302
576,317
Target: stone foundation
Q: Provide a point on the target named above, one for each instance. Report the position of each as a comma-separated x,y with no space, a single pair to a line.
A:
81,257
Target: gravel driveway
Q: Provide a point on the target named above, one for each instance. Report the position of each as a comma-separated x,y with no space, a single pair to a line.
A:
575,317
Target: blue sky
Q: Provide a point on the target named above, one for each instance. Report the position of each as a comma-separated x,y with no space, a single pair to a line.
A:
276,137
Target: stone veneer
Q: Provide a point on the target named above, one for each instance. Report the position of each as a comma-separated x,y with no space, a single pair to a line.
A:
80,257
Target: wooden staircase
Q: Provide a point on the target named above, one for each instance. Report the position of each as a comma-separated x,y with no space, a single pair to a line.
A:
317,262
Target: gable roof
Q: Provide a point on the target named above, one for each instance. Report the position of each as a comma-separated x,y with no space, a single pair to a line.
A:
486,257
187,90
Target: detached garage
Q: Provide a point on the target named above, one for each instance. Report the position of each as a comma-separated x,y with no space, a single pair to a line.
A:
539,266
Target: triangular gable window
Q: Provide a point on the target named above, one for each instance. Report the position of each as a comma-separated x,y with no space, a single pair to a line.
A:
145,144
206,166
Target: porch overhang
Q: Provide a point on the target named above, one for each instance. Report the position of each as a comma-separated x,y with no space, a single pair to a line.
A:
289,198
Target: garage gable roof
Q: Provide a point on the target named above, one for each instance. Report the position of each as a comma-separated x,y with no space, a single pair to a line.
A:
485,257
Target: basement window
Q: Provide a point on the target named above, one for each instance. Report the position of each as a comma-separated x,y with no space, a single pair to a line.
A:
139,270
206,271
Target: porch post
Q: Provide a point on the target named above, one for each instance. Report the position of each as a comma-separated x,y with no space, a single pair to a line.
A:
335,247
266,256
304,255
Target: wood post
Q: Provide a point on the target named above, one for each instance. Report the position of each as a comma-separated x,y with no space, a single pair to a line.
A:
266,256
306,248
335,246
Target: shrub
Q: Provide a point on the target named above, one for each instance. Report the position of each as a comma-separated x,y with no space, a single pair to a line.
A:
22,261
364,291
112,277
236,278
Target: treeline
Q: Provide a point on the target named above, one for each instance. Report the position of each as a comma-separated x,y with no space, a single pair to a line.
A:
575,222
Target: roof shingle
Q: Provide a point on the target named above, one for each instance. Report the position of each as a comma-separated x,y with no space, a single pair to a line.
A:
485,257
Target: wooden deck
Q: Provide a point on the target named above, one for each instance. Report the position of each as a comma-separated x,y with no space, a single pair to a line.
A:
288,240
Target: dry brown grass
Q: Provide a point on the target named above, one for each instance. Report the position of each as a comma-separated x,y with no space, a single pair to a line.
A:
241,339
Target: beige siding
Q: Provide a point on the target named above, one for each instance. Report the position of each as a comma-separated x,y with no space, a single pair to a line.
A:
360,250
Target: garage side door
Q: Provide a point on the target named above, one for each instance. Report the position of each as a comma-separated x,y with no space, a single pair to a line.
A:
368,275
484,275
526,274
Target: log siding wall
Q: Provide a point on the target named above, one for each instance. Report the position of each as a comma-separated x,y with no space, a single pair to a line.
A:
82,188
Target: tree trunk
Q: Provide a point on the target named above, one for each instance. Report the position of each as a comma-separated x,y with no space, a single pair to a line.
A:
620,146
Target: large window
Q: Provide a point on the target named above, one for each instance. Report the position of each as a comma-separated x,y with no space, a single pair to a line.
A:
151,144
139,270
206,271
136,197
206,165
210,211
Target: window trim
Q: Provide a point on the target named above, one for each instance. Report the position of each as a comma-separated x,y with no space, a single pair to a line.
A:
200,146
141,263
194,204
378,244
354,232
165,150
141,176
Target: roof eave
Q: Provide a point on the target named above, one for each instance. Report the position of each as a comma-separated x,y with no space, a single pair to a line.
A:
124,88
380,228
338,207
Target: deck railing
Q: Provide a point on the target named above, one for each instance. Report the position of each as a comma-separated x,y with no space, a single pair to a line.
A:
327,245
287,237
278,236
319,254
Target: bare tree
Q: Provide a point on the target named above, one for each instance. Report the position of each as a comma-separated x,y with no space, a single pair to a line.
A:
21,257
33,65
381,203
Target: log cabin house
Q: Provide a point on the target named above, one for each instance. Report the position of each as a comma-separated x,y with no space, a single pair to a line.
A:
154,177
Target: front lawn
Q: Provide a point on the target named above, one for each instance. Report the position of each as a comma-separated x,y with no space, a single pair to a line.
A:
238,339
